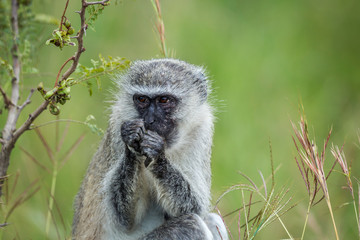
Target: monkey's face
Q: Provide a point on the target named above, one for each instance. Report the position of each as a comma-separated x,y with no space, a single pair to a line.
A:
157,112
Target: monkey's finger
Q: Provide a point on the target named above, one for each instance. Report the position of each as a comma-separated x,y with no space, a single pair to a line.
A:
141,132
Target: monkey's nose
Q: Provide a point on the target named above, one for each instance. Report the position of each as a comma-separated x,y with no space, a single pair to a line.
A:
149,119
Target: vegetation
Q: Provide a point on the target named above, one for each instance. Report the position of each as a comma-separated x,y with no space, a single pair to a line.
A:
261,55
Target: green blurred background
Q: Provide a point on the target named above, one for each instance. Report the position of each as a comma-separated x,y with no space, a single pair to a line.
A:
264,58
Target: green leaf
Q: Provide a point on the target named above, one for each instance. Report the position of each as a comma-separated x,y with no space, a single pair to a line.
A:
89,86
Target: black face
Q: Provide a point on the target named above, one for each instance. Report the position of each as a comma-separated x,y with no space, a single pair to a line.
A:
157,113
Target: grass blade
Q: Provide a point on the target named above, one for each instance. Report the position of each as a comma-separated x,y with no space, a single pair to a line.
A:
45,144
32,158
71,150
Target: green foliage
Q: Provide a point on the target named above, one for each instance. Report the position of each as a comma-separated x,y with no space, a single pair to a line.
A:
99,68
4,20
26,18
26,56
61,93
5,30
29,31
62,36
94,11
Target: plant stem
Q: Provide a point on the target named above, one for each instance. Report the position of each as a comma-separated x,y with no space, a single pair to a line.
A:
283,225
246,217
160,27
51,198
306,219
332,217
356,216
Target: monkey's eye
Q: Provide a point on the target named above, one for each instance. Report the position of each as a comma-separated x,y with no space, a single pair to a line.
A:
163,99
141,99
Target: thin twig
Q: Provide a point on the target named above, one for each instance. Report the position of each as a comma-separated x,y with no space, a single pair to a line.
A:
29,121
27,101
61,68
80,36
7,101
104,3
63,16
4,225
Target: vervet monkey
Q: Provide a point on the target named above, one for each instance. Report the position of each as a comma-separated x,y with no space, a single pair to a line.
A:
151,176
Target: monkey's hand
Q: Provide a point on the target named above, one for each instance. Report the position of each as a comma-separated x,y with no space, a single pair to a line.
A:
152,145
132,133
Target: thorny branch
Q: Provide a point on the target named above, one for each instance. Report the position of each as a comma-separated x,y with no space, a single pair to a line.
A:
10,134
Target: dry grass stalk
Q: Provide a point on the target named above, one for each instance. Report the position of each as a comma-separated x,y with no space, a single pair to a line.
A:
23,197
339,155
312,168
160,27
273,208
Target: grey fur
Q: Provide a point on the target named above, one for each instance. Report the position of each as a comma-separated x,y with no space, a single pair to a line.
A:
142,184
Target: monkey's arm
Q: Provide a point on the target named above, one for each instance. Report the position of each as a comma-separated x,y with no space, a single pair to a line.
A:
174,191
124,189
125,185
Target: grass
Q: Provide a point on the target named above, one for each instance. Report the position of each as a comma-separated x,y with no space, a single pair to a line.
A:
272,203
57,158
